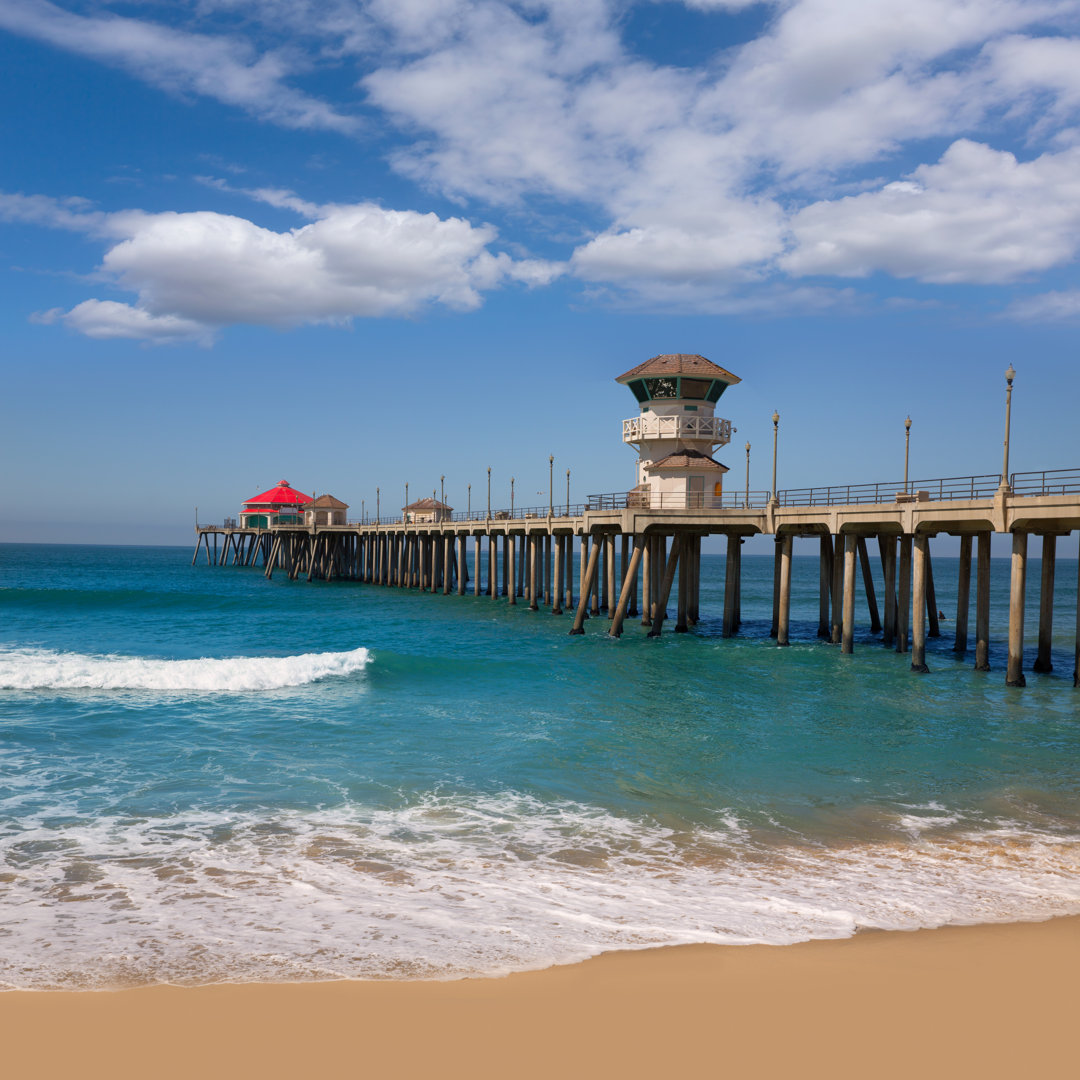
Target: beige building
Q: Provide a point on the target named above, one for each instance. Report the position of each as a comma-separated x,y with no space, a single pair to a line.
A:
426,512
325,510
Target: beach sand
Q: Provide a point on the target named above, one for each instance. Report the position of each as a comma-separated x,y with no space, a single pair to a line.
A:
984,1001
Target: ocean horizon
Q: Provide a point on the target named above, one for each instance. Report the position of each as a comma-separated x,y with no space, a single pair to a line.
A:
209,777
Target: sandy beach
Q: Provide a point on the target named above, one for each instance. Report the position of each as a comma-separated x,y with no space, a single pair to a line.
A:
987,1001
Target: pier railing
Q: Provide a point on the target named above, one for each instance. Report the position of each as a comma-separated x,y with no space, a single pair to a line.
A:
1047,482
941,488
678,500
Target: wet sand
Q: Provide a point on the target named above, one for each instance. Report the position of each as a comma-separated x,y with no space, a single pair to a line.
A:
986,1001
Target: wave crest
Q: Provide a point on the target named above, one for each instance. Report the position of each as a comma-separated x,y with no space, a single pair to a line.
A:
45,669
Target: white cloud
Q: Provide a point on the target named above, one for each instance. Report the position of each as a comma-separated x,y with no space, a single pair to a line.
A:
194,272
978,215
224,68
1046,307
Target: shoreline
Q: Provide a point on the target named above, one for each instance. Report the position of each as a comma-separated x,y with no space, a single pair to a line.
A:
990,1000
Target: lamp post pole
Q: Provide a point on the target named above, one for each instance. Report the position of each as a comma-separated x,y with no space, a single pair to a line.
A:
406,511
907,450
567,492
377,510
489,493
468,512
442,490
746,504
511,497
551,484
1009,376
363,516
775,434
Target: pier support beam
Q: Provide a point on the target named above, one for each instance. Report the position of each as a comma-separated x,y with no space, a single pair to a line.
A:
868,585
963,596
931,595
610,598
1043,662
534,557
887,547
918,605
586,588
1014,674
664,587
778,545
693,611
556,590
903,597
847,639
629,586
982,603
837,628
783,623
825,558
646,582
511,570
684,541
731,584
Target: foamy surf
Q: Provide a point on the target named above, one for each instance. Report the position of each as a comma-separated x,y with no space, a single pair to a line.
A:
44,669
454,887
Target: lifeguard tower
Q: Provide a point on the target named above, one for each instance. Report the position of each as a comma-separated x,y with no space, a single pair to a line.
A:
678,431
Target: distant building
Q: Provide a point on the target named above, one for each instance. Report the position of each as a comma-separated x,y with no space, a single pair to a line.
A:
280,505
426,512
677,430
325,510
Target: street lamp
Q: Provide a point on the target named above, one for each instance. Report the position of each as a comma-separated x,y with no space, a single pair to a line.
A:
363,516
377,513
567,492
775,433
746,504
442,490
1009,376
489,493
511,496
907,450
406,510
551,484
468,512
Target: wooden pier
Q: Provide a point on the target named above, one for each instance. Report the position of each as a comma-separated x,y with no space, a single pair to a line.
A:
634,555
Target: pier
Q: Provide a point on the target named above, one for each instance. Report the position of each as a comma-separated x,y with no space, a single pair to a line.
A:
638,552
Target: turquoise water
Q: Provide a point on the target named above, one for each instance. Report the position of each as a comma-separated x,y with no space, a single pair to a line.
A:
206,776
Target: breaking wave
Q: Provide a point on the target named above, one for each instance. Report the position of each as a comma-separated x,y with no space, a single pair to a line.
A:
44,669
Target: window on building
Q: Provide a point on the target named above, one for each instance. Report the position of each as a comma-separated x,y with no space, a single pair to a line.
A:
695,388
638,387
662,388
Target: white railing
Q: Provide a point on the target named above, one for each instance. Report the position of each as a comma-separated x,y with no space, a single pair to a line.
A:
642,428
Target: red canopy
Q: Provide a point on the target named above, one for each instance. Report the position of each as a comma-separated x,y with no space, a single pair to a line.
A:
282,495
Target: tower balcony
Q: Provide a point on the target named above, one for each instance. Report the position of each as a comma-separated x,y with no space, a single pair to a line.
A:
639,429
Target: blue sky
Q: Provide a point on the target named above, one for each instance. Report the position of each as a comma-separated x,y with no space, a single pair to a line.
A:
354,244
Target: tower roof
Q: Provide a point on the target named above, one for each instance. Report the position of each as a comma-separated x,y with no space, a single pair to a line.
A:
326,502
282,495
687,459
680,364
427,504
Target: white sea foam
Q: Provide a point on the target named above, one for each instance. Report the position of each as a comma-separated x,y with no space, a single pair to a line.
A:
44,669
448,888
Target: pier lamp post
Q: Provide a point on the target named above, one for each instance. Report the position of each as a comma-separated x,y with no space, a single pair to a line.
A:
377,508
442,489
511,496
1010,374
363,516
406,500
746,504
489,493
551,484
567,492
775,434
907,450
468,511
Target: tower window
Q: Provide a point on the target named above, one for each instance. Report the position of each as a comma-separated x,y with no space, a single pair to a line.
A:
639,391
662,388
716,390
695,388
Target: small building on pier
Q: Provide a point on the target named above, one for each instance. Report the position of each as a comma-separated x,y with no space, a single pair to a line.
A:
677,430
280,505
325,510
426,512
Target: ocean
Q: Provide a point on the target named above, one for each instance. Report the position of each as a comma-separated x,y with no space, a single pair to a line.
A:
208,777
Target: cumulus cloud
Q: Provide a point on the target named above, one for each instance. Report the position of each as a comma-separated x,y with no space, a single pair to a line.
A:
978,215
1047,307
227,69
195,272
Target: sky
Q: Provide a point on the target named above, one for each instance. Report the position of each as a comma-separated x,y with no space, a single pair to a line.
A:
356,245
